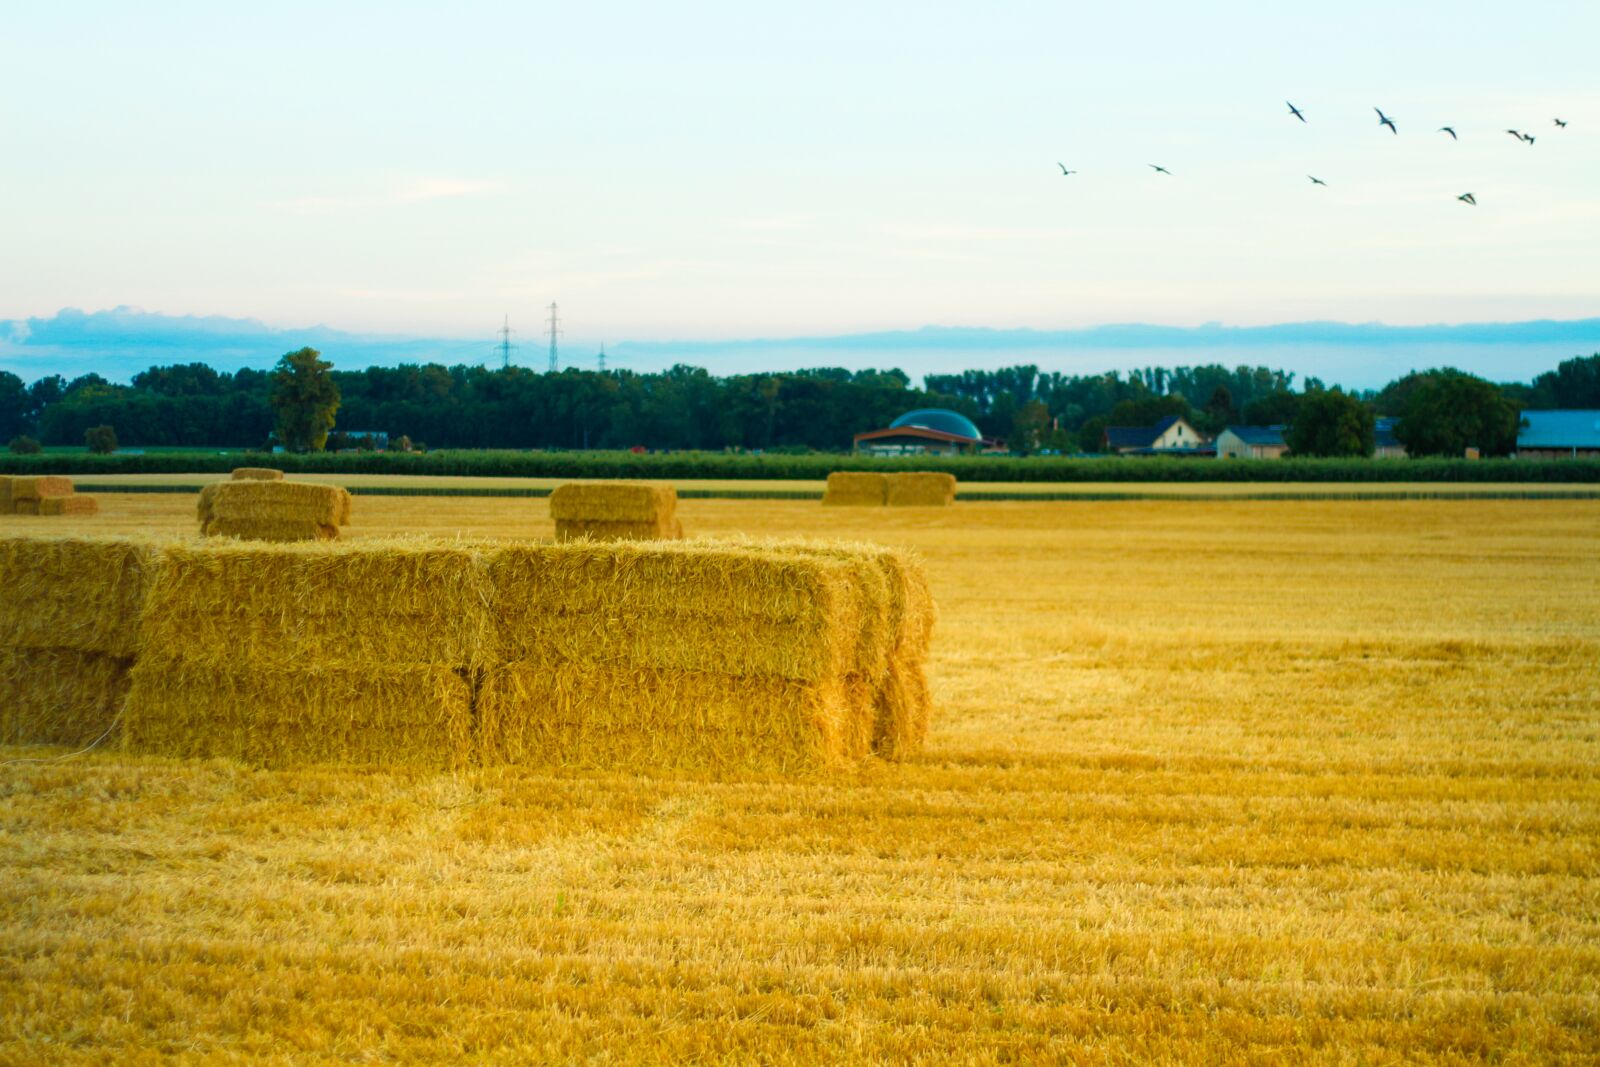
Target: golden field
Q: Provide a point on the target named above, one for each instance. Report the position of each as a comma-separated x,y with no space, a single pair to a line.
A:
1208,782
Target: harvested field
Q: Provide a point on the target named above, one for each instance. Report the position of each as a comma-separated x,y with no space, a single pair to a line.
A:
1211,782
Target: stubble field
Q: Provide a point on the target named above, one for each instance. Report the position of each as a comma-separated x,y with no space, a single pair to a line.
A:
1209,782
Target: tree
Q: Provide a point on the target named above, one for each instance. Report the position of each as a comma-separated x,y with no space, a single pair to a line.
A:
1274,409
24,446
1575,383
13,405
1219,410
305,398
1450,411
102,440
1331,422
1029,427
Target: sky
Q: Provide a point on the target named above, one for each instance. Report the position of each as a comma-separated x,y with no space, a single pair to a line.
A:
718,171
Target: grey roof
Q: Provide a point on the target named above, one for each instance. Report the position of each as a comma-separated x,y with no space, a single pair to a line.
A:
1138,436
1258,435
1560,429
941,419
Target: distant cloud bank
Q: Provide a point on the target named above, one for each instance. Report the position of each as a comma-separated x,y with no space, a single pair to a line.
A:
120,342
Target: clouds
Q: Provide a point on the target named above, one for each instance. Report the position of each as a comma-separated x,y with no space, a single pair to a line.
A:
406,192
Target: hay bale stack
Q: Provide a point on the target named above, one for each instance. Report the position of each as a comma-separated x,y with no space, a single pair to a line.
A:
615,511
856,489
259,510
693,655
256,474
282,654
922,489
69,505
68,635
24,507
39,487
45,495
6,507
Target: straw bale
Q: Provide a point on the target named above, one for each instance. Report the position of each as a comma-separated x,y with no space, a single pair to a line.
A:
639,502
73,592
69,505
311,605
270,530
926,489
344,507
666,528
205,509
59,696
410,715
589,715
24,507
39,487
278,501
856,489
5,495
697,606
256,474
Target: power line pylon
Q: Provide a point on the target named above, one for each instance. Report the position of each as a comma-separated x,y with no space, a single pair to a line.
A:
555,331
505,346
601,358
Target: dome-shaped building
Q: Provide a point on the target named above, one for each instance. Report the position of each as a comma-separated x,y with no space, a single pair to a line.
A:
926,431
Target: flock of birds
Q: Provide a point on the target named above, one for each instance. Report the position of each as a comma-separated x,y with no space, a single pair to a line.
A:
1383,120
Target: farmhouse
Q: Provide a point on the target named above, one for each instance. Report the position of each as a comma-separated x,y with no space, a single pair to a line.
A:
1251,442
1385,444
926,432
1559,435
1172,436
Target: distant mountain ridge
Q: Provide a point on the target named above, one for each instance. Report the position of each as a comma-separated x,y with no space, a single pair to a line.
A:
119,342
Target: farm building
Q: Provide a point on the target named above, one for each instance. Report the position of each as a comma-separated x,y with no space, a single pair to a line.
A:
926,432
1251,442
1385,444
1172,436
1559,435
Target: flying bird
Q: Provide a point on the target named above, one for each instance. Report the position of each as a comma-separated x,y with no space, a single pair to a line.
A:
1064,170
1528,137
1469,198
1451,130
1515,133
1295,112
1563,125
1385,120
1316,180
1161,170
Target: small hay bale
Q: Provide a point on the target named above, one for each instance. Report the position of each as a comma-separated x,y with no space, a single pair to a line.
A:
39,487
270,530
278,501
922,489
24,507
856,489
69,505
256,474
59,696
613,501
411,715
75,593
584,715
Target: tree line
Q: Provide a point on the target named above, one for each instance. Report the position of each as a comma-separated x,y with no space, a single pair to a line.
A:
686,408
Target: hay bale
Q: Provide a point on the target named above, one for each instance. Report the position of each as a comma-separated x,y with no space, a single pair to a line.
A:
69,505
24,507
344,507
922,489
410,715
5,495
73,592
39,487
669,529
270,530
856,489
613,502
256,474
59,696
278,501
205,507
583,715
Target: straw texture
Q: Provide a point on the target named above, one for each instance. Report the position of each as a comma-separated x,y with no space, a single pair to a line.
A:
258,474
615,511
856,489
921,489
59,696
69,505
5,495
266,510
39,487
25,507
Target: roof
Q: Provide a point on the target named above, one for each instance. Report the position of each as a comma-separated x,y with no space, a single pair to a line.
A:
1383,433
914,433
943,420
1138,436
1258,435
1560,429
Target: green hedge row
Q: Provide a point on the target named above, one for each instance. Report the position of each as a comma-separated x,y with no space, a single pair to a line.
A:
697,465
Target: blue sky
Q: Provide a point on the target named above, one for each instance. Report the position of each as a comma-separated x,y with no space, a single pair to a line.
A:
718,171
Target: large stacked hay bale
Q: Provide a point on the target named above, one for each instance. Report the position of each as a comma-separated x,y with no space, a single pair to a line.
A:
263,510
694,655
291,653
69,505
615,511
921,489
256,474
39,487
49,494
856,489
68,634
